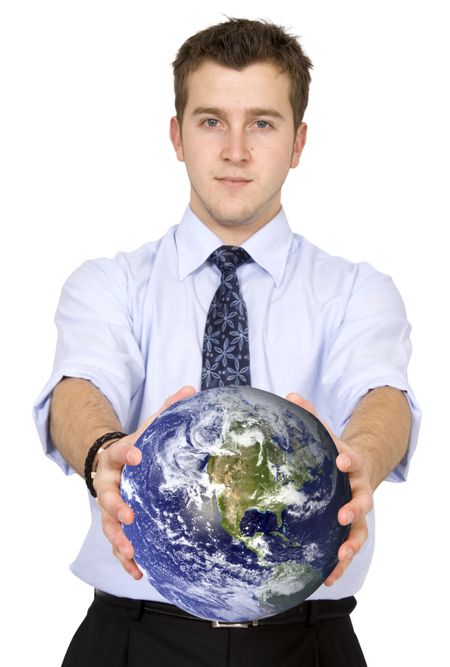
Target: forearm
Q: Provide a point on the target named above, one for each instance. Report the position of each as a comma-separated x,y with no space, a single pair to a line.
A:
79,414
379,429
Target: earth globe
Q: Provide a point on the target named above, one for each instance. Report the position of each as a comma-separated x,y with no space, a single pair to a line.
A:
235,501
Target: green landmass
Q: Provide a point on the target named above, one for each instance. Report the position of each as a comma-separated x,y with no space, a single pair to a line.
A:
254,477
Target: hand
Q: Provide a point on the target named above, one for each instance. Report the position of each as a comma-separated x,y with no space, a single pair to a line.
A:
113,508
354,512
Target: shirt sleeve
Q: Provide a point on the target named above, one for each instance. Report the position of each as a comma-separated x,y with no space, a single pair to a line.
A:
371,348
95,342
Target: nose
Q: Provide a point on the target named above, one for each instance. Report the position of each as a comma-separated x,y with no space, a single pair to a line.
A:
236,148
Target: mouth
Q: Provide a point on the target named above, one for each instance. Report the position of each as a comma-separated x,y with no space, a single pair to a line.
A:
233,182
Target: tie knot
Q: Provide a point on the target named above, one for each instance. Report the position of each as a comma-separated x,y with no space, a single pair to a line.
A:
229,257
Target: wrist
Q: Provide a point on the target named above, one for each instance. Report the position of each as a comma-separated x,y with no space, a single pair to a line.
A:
92,458
366,449
96,460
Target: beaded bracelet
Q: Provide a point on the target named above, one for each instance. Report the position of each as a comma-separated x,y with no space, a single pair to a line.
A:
96,447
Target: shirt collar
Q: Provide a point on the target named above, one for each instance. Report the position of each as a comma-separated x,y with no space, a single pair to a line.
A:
268,247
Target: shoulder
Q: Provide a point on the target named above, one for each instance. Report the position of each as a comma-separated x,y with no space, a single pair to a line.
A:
125,272
331,275
318,260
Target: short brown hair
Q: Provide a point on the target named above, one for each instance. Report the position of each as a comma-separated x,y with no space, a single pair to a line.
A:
237,44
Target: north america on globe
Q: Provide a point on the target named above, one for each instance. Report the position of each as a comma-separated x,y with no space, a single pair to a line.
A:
235,503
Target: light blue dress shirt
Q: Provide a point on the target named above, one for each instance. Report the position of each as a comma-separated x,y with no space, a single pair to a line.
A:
320,326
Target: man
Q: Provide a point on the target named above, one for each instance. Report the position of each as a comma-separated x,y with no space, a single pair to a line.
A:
131,332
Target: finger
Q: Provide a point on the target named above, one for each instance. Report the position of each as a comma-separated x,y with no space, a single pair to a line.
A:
184,392
123,452
348,459
121,546
179,395
302,403
111,502
109,469
356,539
309,407
337,573
354,542
133,569
113,530
107,487
346,553
357,509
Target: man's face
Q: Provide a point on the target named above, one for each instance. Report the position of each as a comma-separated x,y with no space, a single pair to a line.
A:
238,143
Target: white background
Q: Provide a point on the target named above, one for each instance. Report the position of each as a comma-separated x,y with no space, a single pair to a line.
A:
87,169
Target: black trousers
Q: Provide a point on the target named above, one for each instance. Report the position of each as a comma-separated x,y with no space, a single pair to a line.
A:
121,633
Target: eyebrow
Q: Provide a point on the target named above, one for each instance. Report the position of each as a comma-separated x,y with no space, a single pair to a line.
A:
253,111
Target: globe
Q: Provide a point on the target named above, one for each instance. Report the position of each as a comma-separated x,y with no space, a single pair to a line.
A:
235,501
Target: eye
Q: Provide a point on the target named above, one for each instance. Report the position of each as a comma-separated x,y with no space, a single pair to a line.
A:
210,122
262,124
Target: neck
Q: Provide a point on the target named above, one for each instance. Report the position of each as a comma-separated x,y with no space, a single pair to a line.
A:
234,234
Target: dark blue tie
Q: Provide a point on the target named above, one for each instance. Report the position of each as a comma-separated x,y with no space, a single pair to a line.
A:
226,356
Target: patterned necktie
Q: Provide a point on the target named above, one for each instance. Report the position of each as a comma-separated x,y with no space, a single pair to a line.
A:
226,356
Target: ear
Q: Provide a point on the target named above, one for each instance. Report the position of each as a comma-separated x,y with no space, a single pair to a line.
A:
299,143
175,138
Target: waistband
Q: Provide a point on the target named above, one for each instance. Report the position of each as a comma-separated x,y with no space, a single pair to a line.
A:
309,612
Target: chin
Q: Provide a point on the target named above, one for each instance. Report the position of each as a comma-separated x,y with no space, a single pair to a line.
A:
234,218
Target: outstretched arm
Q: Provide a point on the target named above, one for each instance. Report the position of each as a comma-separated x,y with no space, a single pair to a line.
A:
379,429
372,444
79,414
